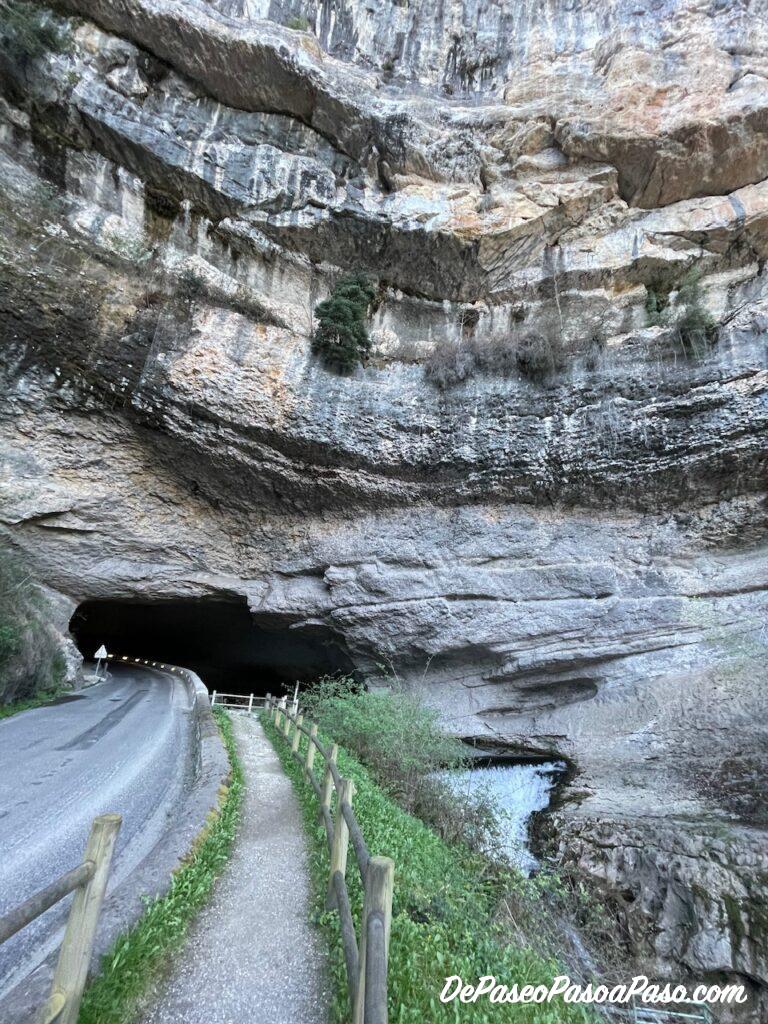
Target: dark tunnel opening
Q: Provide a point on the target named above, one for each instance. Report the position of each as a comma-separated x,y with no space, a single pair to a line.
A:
220,640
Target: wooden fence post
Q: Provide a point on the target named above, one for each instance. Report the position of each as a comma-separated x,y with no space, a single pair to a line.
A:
297,734
340,840
309,761
213,699
325,800
280,712
250,704
377,910
77,947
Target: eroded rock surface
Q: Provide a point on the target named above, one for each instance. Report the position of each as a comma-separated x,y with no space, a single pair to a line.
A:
572,561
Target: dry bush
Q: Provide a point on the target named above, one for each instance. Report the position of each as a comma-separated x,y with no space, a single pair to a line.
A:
449,364
541,354
535,354
405,350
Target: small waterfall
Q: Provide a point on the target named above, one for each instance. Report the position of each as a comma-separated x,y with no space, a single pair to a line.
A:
517,791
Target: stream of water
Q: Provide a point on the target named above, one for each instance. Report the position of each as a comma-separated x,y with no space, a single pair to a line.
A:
517,791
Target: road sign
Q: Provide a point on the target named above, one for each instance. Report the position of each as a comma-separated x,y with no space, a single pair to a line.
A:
100,655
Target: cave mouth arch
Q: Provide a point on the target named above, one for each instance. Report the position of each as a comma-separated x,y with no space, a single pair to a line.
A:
221,640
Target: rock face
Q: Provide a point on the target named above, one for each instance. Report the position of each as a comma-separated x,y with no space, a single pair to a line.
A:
564,551
37,653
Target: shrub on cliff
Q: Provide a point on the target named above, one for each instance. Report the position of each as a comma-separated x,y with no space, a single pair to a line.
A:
693,326
298,23
535,355
10,641
341,337
450,363
27,32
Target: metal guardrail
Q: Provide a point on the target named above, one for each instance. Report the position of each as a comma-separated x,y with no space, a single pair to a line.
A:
89,883
366,961
229,701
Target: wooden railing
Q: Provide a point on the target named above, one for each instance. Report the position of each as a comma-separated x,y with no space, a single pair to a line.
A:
237,701
366,961
89,883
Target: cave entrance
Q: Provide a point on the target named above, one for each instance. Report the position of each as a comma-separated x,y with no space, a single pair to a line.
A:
220,640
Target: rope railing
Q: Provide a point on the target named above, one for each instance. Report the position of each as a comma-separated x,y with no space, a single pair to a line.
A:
366,960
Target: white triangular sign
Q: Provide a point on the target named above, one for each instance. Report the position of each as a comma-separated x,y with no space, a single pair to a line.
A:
101,653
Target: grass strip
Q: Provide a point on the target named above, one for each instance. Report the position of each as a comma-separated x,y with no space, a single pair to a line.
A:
38,701
443,914
138,958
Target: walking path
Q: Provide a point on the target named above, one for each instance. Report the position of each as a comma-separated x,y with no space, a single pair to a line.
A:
252,957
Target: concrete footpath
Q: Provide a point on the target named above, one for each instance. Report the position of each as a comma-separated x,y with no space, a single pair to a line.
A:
252,956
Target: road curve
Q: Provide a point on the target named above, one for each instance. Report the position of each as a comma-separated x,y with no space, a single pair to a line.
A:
124,746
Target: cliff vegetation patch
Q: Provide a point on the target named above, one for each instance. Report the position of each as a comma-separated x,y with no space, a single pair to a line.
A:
680,306
536,355
341,336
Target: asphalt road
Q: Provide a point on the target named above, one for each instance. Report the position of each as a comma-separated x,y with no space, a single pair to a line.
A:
123,746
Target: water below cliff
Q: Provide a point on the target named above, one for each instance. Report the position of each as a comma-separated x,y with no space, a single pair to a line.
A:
517,791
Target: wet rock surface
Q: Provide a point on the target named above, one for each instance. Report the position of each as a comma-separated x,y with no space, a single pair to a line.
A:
570,562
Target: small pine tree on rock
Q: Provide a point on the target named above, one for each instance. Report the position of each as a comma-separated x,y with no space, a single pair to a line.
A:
341,337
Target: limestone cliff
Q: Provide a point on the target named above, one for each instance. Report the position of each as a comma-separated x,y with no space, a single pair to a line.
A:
572,560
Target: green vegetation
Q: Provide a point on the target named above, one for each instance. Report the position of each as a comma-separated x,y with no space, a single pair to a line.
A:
694,327
10,641
403,746
444,915
189,286
14,596
32,668
341,337
139,956
299,23
656,305
130,247
27,32
7,710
